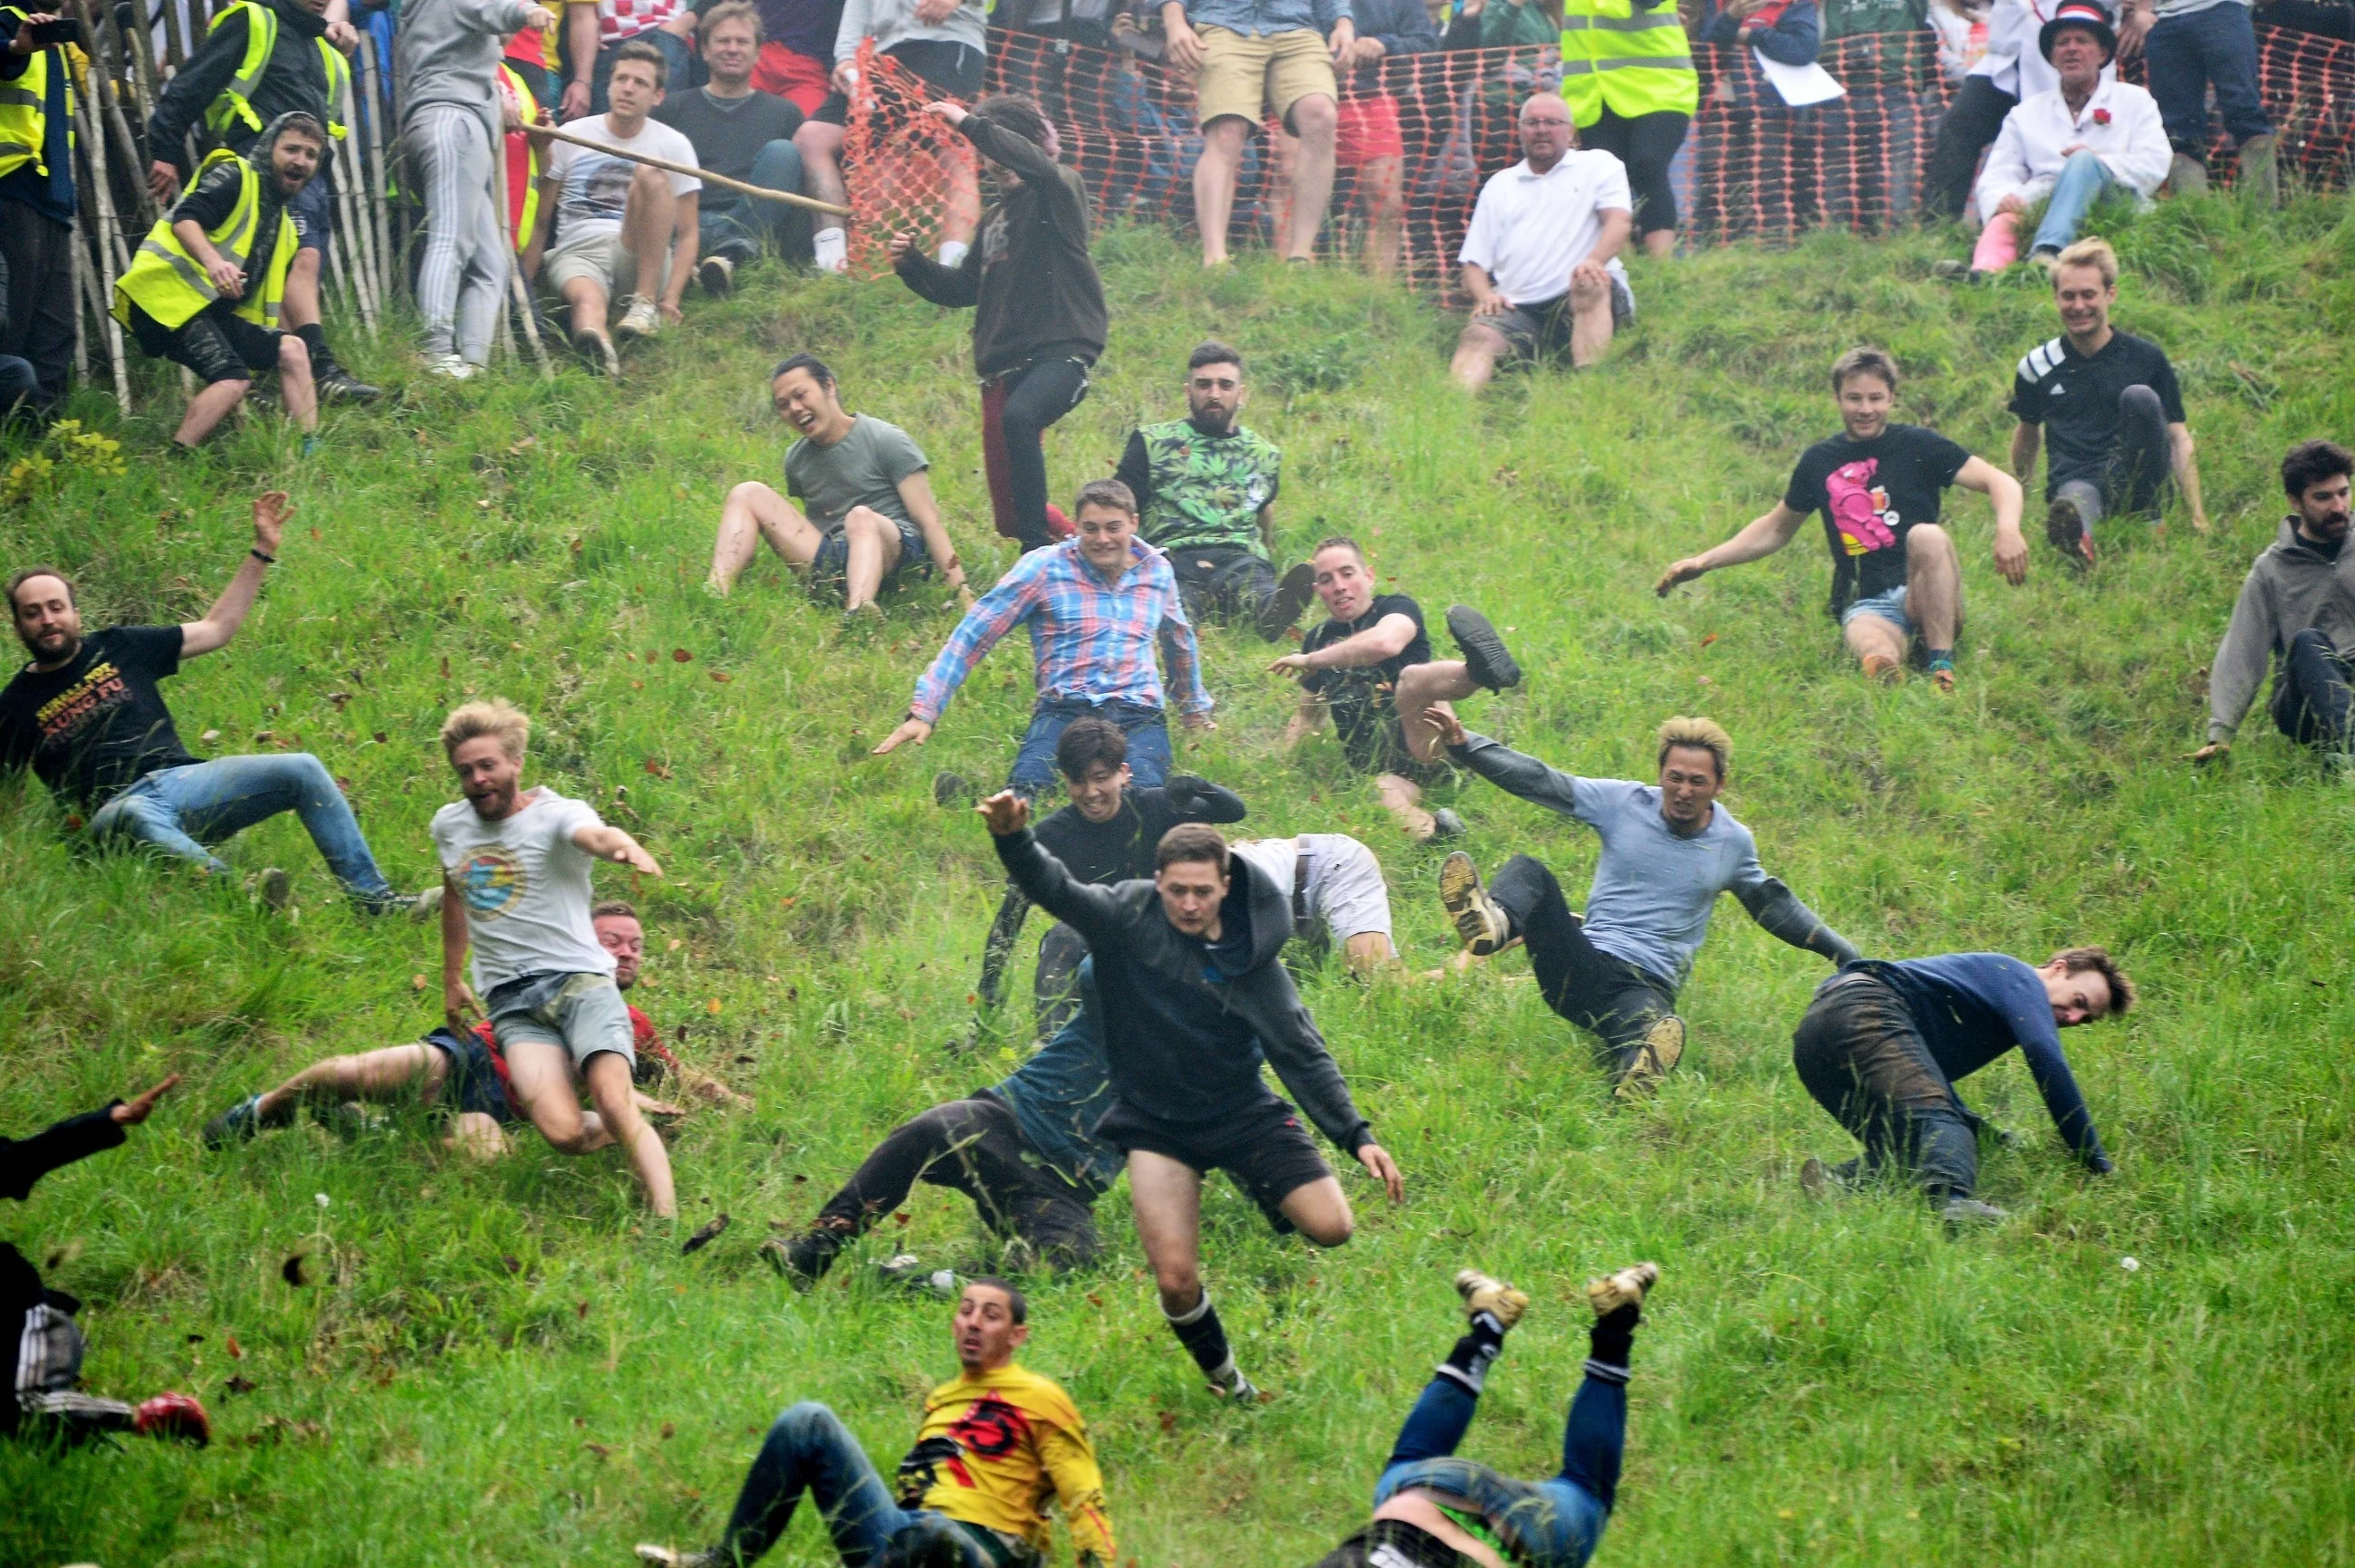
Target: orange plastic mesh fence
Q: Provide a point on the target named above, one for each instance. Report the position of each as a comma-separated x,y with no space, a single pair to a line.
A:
1433,127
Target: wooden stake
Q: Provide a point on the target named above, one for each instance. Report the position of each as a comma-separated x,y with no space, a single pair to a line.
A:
518,294
388,275
111,254
706,175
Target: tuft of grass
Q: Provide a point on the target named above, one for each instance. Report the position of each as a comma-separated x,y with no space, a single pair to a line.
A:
512,1364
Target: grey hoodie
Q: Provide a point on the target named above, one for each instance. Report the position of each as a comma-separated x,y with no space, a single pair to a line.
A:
447,52
2291,587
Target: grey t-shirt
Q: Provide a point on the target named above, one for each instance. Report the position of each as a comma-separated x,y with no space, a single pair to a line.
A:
863,469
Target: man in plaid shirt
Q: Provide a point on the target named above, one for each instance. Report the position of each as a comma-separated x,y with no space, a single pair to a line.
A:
1095,604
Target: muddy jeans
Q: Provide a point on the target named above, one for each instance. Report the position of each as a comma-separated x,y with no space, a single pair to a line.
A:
1599,993
976,1147
1551,1524
1858,1052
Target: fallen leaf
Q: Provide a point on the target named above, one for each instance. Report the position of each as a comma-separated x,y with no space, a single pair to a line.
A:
680,655
712,1005
340,699
512,1264
416,982
1094,1300
209,736
901,1217
1711,638
721,675
581,1309
656,769
706,1235
445,667
599,1449
1169,1421
380,737
235,1351
668,1432
239,1384
673,946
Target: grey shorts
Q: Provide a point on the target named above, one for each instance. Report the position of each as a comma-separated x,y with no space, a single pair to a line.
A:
1542,330
583,1014
605,260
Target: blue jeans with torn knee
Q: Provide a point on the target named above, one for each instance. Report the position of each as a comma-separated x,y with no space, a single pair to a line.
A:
809,1450
182,810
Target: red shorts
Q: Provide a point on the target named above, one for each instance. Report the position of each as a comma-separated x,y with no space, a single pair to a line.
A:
797,77
1369,131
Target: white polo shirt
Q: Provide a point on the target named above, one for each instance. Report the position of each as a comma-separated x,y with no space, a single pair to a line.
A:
1528,229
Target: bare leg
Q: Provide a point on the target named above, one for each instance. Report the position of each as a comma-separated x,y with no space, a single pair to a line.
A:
608,1072
476,1135
1660,243
646,221
874,542
208,408
373,1076
1380,186
1314,121
298,301
539,1085
1402,799
587,303
1878,645
1933,585
1420,686
1321,1211
1215,173
1589,324
821,147
1477,353
1165,1196
294,388
754,512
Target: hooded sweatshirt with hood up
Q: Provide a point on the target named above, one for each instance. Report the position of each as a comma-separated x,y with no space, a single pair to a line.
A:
2294,586
213,198
1185,1043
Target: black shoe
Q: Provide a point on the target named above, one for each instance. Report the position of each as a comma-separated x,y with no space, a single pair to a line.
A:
1284,606
2064,526
241,1121
803,1260
337,384
952,790
1485,658
1445,824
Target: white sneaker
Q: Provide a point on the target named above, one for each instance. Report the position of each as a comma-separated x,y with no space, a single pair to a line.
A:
451,368
639,318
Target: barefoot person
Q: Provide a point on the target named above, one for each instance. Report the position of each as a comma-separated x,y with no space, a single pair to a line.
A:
516,865
1669,849
1896,580
997,1442
872,524
1371,665
1884,1041
1195,997
1432,1509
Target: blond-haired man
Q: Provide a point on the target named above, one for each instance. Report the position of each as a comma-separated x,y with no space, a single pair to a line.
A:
517,864
1669,849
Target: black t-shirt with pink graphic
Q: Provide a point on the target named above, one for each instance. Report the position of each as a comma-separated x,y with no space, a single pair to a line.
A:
1870,494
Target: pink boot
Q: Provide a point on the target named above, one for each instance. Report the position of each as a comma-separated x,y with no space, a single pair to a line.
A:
1999,245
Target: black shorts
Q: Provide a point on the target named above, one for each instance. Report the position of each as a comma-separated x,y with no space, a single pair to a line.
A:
1375,742
313,212
1541,331
215,343
954,70
474,1083
1263,1148
1221,582
828,567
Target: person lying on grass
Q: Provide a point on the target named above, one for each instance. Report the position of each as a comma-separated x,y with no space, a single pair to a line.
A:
1896,580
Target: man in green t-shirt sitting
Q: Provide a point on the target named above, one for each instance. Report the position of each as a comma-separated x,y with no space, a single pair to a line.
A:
1205,488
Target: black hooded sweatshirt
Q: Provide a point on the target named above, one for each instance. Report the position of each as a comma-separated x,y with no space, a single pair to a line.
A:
295,79
1184,1045
23,1161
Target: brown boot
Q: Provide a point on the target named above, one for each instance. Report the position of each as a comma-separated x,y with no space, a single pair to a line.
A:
2187,176
2260,178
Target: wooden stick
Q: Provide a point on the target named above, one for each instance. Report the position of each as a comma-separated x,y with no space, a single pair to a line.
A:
104,61
706,175
81,295
110,250
517,295
376,141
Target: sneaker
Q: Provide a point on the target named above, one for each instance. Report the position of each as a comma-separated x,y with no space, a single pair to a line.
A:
718,276
273,887
1493,1296
1816,1179
1239,1390
421,906
952,790
1625,1288
1445,824
239,1123
337,384
803,1260
1962,1212
2064,525
1485,658
1950,270
1480,920
1662,1047
639,318
598,350
1284,606
908,1270
832,251
450,367
671,1557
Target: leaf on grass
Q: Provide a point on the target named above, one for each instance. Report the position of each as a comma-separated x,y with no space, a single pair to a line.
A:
705,1236
581,1309
599,1449
721,675
240,1384
235,1351
656,769
668,1432
680,655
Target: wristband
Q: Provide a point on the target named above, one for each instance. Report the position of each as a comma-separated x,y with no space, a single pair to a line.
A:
264,560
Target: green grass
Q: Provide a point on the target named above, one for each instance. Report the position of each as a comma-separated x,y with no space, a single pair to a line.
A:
513,1365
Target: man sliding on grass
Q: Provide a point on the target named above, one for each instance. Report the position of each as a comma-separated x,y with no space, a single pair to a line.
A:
1432,1509
1895,577
1883,1041
1195,997
1669,849
517,864
997,1441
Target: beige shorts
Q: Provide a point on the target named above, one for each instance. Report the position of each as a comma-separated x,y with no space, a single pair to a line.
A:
1254,76
602,258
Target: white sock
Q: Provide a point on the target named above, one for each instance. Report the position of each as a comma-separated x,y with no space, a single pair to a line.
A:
952,253
833,250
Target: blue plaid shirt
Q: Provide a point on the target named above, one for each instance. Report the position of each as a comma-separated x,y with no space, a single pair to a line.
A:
1090,641
1256,18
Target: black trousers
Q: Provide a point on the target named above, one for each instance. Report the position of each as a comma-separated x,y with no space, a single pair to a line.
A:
2312,695
40,327
1968,125
1646,144
973,1146
1016,409
1603,995
1862,1058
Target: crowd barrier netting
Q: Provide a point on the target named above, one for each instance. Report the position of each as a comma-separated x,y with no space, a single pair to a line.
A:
1751,170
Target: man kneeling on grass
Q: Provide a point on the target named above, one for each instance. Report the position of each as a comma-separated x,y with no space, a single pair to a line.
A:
462,1074
1883,1041
1895,576
516,865
997,1442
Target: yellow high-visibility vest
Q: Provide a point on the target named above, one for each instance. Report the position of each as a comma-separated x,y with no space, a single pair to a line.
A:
1630,61
24,110
235,104
167,281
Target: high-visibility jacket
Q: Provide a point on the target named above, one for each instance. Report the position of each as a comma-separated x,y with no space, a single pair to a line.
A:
1620,56
24,109
235,105
523,159
167,281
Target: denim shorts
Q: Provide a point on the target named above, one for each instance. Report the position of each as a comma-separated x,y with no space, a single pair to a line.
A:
827,568
583,1014
474,1083
1889,607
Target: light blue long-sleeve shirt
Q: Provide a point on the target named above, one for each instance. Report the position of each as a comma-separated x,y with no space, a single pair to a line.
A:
1255,19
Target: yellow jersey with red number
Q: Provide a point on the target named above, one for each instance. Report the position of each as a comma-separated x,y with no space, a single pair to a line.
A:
994,1448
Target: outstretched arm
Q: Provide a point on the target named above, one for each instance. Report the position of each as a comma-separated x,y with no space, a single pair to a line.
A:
1779,911
1386,638
271,510
610,843
1091,911
2003,493
1761,538
23,1161
1509,770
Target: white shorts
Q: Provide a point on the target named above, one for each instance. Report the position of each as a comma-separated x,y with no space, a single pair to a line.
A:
1343,890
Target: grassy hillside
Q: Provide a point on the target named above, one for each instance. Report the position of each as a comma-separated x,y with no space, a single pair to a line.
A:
512,1365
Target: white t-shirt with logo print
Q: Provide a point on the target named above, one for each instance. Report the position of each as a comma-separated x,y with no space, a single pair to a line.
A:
526,887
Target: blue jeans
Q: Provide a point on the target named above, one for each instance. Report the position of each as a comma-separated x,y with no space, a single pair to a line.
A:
1548,1524
2085,180
1148,742
736,231
809,1450
181,810
18,383
2187,56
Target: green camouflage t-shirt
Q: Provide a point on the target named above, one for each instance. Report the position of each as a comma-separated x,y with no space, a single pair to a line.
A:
1205,489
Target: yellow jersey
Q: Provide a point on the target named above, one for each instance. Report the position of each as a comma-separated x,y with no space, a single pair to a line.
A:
994,1448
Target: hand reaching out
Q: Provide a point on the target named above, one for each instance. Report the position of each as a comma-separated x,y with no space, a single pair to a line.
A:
131,1113
2209,753
271,510
1684,570
1449,728
1007,812
1384,1169
911,729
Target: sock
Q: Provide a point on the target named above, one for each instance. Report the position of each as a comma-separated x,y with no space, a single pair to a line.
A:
952,253
1609,1340
1941,658
1468,1362
832,248
315,338
1205,1339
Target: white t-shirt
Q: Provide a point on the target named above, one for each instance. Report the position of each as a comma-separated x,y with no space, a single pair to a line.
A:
1529,230
526,884
597,185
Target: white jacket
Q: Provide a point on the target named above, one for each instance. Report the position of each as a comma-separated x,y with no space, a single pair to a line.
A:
2120,122
2013,64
